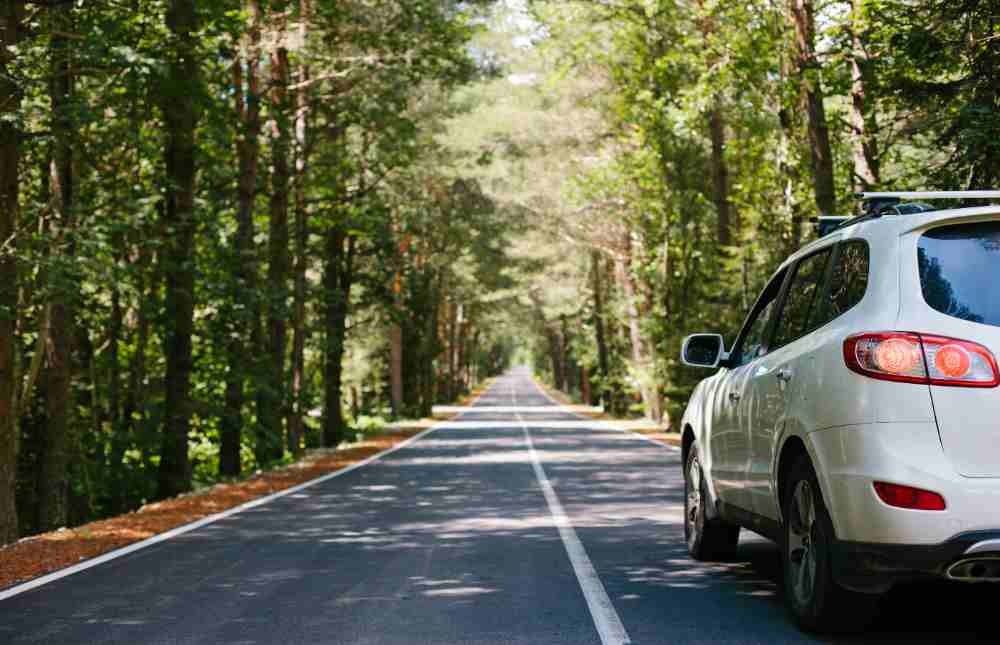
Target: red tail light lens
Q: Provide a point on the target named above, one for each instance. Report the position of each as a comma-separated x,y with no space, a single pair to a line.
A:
897,356
909,497
953,361
921,358
959,362
888,356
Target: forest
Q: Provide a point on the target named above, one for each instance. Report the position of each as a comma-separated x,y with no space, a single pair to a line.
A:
235,230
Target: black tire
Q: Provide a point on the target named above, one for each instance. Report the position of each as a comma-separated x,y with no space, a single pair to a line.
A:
707,539
817,603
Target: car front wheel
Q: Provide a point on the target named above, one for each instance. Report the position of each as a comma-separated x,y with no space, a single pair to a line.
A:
707,539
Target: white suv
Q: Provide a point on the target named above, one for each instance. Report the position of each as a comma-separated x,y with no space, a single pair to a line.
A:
856,419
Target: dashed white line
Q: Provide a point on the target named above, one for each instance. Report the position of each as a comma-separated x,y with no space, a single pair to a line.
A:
606,620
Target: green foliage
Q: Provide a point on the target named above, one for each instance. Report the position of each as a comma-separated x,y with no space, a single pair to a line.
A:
650,81
370,86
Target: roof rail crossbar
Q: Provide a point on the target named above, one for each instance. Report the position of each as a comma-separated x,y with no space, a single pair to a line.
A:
940,194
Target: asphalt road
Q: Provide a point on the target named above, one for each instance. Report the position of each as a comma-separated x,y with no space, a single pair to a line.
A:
523,524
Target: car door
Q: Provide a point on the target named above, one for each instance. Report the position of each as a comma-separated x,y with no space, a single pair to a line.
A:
731,443
771,380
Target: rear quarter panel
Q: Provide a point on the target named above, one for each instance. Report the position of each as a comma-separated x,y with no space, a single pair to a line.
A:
968,418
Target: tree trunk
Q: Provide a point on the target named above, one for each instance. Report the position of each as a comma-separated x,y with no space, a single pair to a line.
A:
460,360
717,132
396,368
603,362
53,463
569,374
246,317
296,424
135,412
863,118
119,422
555,356
429,381
452,323
720,176
11,15
180,121
808,71
269,440
337,281
787,168
642,359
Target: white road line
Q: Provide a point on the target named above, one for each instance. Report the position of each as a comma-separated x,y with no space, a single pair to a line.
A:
606,620
186,528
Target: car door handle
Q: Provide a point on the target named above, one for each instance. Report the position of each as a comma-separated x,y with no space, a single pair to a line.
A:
784,374
735,396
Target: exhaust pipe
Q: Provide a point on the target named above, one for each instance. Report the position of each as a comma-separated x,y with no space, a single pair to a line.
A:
975,570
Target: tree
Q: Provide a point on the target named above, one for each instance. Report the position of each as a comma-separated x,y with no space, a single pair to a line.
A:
180,91
944,74
246,316
271,409
11,15
808,70
53,476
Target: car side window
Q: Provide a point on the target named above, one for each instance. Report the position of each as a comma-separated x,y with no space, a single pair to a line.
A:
850,278
753,341
802,311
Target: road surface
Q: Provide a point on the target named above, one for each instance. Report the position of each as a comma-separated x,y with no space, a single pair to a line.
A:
517,523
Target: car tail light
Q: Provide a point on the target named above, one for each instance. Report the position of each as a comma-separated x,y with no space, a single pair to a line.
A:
909,497
921,358
959,362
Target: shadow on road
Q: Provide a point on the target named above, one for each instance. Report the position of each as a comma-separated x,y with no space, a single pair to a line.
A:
626,501
451,541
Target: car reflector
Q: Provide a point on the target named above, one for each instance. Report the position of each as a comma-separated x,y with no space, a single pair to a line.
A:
909,497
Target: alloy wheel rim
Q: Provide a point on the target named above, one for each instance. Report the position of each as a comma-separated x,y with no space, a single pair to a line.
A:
802,543
693,498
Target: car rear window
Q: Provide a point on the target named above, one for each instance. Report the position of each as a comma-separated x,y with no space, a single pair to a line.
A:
959,269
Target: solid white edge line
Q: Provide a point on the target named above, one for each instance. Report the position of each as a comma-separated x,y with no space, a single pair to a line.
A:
602,610
180,530
609,424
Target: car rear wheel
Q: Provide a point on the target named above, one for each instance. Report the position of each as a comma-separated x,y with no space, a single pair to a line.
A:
816,601
707,539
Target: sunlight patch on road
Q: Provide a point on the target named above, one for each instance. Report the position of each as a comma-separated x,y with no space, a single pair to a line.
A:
459,591
515,409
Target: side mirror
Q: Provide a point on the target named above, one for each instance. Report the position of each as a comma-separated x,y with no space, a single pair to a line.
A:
704,350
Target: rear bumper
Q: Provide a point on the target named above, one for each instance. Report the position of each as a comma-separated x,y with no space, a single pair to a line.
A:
850,459
873,568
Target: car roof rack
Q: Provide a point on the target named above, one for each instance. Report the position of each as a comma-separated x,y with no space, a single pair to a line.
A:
877,204
933,194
